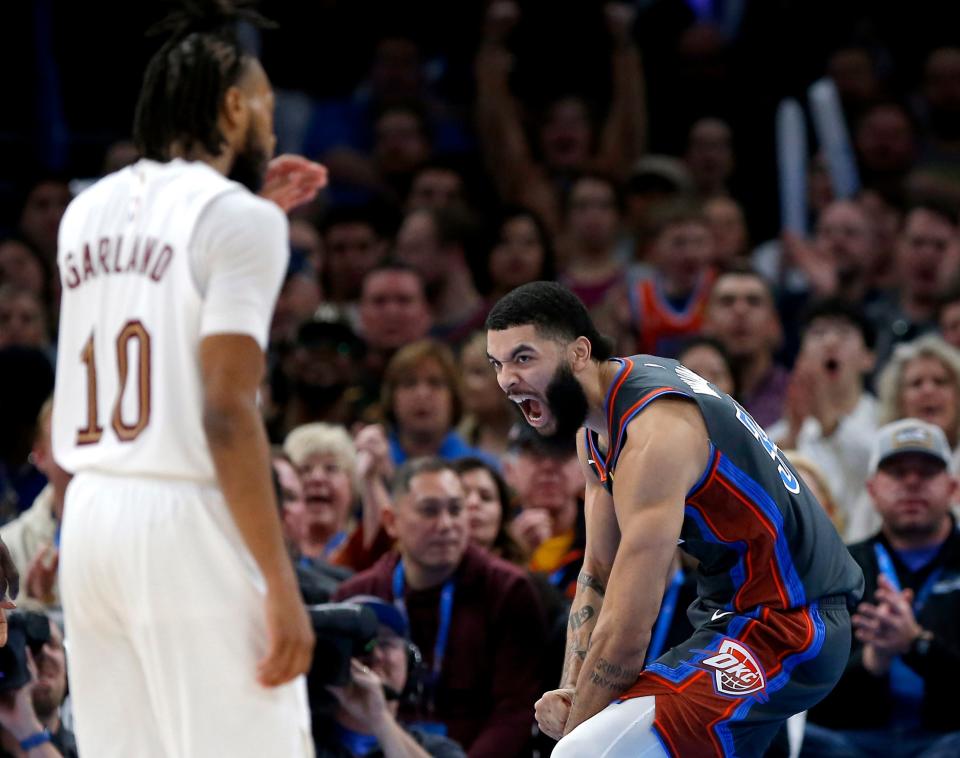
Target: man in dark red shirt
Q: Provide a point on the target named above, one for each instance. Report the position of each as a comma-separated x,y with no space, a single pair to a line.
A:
477,619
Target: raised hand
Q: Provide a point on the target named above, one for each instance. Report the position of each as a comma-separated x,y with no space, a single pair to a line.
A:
817,265
373,452
293,180
42,574
530,528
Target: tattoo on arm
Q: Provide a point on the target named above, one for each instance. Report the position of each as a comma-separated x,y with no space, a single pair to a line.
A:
581,617
613,677
591,582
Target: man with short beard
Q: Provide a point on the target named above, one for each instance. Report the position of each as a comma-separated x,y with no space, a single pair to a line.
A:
669,459
476,618
896,697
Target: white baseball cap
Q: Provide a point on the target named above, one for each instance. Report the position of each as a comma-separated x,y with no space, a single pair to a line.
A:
910,435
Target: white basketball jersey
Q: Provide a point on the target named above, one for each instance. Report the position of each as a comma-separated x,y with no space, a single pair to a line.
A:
135,305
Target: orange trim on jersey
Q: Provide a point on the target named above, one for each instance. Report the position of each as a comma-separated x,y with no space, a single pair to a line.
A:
625,371
756,580
774,572
666,738
614,442
714,465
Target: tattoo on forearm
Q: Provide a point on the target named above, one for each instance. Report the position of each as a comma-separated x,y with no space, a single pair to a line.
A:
591,582
613,677
581,617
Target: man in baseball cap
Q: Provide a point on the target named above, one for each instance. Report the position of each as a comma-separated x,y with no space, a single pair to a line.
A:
890,700
910,436
367,717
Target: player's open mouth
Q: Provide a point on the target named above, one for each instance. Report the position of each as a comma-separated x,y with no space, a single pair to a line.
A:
533,409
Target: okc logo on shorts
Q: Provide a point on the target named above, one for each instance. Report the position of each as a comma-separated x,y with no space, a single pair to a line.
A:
735,670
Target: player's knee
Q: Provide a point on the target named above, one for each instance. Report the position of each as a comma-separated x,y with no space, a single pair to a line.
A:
622,730
577,744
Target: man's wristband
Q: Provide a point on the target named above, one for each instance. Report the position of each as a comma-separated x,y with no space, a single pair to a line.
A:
36,740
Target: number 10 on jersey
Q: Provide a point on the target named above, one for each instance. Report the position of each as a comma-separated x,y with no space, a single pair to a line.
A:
133,334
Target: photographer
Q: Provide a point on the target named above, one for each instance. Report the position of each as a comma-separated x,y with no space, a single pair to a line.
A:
30,714
366,716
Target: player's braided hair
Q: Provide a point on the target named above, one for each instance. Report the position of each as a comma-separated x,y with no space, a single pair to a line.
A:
186,80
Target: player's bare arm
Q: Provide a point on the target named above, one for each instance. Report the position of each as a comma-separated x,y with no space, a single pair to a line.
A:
665,454
603,536
232,367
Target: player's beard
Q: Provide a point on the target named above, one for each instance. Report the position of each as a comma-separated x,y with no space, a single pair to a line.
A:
250,163
568,404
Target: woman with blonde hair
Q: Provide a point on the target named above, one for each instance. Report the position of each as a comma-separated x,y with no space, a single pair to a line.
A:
921,380
338,473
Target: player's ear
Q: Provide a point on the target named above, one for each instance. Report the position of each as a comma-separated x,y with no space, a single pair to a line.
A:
580,351
234,112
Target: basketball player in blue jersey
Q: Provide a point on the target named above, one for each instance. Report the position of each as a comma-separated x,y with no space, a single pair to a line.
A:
669,460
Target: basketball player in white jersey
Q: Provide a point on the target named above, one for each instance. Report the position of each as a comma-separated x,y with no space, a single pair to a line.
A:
185,628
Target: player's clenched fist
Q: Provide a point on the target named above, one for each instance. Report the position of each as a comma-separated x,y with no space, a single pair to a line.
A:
552,711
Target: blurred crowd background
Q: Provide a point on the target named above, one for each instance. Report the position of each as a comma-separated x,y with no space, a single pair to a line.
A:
767,189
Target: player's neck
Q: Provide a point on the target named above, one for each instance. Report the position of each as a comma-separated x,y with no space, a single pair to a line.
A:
221,163
596,381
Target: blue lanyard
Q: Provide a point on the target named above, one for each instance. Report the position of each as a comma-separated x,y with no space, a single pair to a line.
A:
334,542
905,683
665,618
556,578
885,564
446,615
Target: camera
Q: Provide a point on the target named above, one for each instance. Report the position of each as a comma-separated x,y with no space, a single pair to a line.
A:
343,631
24,630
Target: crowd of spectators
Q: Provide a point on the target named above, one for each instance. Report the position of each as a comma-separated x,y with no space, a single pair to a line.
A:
403,473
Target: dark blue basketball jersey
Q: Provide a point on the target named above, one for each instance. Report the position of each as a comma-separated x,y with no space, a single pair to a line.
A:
761,537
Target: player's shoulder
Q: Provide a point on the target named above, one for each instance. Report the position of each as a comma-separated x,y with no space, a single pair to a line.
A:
253,208
243,210
100,191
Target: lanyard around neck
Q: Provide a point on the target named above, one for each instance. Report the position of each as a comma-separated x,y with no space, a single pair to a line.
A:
885,564
446,615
